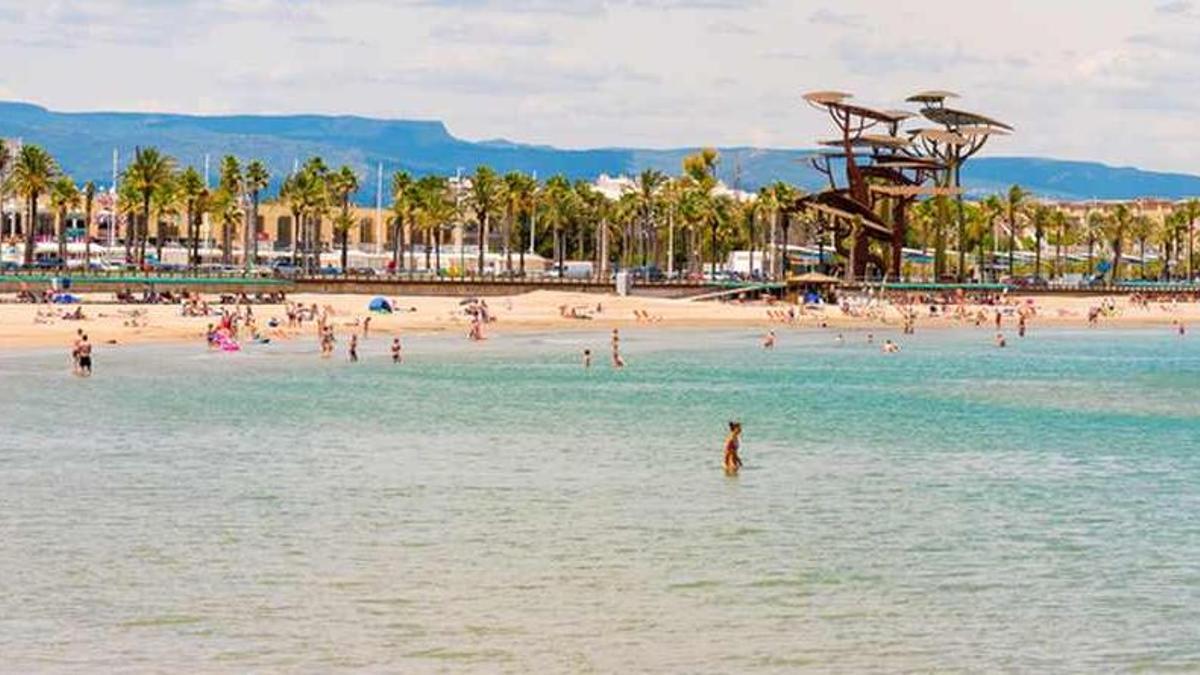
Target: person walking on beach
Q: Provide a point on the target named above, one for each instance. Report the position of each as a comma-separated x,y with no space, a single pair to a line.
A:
397,355
85,357
353,349
732,461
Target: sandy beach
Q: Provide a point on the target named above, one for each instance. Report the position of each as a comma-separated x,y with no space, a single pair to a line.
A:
37,326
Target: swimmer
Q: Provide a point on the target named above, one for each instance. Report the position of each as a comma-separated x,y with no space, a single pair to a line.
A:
732,461
769,340
890,347
397,356
839,339
1000,341
870,338
587,358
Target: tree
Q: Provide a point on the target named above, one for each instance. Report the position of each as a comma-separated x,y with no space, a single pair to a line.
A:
403,204
1191,212
257,179
342,185
89,203
558,203
314,195
646,189
784,194
1014,201
165,202
1060,232
485,197
1041,216
1141,228
33,173
5,161
1116,229
192,192
434,208
226,209
701,169
520,190
148,172
1094,226
64,196
232,183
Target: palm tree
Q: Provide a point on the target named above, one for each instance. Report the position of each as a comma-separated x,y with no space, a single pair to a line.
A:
646,189
557,204
226,209
191,191
1040,216
403,204
314,196
33,173
232,183
1013,202
519,189
342,185
1140,230
434,208
701,170
1117,228
520,192
783,194
257,179
1060,224
89,203
486,194
1191,212
166,204
1095,224
147,173
5,160
64,196
128,203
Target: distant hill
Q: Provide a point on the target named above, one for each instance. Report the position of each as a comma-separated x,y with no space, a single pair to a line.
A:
83,144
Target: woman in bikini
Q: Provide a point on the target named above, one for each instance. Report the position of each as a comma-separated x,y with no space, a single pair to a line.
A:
732,461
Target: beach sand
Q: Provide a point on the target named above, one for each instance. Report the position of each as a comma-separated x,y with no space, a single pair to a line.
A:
20,326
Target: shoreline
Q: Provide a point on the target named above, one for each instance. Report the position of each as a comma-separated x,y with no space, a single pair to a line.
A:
109,325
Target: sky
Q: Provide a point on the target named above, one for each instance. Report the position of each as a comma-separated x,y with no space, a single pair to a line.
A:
1104,80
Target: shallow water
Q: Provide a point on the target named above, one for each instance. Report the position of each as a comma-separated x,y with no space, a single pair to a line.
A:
495,508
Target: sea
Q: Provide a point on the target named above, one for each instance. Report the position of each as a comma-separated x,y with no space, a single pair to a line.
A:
497,508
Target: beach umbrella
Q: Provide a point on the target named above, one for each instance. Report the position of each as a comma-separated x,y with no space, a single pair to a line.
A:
380,304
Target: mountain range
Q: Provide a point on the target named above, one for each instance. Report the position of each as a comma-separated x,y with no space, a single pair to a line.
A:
83,143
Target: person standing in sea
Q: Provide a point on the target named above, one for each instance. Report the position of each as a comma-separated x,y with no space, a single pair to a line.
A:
353,349
85,357
617,361
397,353
732,461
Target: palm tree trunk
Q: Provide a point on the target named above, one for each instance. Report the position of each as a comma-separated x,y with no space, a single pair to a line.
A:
254,228
30,239
345,248
437,251
483,228
158,240
412,249
428,248
61,232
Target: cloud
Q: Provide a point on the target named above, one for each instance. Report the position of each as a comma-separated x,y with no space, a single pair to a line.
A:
827,17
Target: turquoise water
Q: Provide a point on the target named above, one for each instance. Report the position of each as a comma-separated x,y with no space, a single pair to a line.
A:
493,508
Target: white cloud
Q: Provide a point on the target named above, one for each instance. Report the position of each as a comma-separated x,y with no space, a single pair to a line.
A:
1111,83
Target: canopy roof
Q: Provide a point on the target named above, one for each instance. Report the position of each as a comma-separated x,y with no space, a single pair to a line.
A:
961,118
838,204
826,97
815,278
871,141
931,96
939,136
906,162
